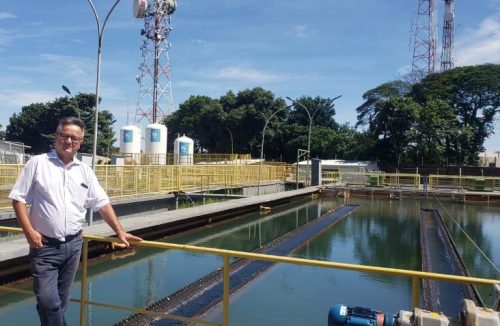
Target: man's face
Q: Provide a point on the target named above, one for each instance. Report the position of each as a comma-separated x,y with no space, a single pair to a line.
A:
67,142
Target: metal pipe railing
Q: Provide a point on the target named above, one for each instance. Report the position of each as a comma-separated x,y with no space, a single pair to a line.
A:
416,276
121,181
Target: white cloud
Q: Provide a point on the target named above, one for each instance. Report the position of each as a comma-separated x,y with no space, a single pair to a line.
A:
301,31
78,70
195,41
403,71
481,45
15,99
6,15
246,75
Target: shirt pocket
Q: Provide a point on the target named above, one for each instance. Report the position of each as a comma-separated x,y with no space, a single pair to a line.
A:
79,193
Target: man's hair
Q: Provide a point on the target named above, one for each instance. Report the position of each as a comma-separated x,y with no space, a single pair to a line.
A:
71,121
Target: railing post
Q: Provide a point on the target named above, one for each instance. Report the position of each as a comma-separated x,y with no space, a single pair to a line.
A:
136,179
415,291
225,295
106,186
83,291
121,180
178,175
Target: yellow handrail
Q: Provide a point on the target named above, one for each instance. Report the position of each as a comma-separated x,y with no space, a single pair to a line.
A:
226,254
122,181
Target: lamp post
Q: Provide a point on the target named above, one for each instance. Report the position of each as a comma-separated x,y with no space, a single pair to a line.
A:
262,146
311,117
100,31
231,135
73,98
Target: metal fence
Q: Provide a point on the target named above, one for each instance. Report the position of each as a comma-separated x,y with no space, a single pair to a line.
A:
174,159
408,180
147,180
468,183
371,179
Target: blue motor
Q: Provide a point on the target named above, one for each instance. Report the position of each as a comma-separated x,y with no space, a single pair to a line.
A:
342,315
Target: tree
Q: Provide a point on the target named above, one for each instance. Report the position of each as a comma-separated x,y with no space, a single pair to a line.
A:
2,133
473,92
247,113
37,122
213,122
201,118
390,116
375,97
435,127
323,128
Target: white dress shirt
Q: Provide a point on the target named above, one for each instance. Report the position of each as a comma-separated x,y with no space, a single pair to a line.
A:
58,194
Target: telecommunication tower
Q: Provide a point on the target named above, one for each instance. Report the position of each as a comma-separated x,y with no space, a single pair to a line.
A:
424,42
448,29
155,85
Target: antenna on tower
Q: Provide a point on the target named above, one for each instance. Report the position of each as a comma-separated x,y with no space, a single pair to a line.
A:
155,87
448,30
424,40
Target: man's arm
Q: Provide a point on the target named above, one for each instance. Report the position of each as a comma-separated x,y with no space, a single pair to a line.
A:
34,237
108,214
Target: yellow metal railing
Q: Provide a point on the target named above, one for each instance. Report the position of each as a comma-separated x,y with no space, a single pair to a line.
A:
433,181
377,179
330,178
146,180
416,276
173,159
470,183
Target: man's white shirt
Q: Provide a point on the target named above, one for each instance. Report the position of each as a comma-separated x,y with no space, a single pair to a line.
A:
59,194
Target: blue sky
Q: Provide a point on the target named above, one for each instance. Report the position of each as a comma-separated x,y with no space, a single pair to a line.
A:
290,47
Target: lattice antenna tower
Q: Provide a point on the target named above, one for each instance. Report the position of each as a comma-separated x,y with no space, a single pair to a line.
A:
424,40
448,31
155,85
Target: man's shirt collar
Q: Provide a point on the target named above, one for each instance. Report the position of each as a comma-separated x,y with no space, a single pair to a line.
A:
53,156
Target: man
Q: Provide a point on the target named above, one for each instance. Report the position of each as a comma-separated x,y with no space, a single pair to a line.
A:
58,187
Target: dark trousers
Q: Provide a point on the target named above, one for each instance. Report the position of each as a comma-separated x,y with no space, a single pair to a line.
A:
54,268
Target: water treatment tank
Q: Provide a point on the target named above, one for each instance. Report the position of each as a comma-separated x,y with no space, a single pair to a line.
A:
130,144
156,143
183,151
130,140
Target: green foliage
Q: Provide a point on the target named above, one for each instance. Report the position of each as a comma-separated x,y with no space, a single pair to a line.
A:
212,123
242,116
374,98
2,133
444,119
434,128
37,122
201,118
473,92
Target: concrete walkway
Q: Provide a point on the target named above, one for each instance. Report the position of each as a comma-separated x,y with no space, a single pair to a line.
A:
17,247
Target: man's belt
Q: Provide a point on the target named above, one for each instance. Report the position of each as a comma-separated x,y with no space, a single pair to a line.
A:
67,238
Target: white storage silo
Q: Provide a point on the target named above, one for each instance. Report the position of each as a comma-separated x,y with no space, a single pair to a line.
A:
156,143
130,143
183,150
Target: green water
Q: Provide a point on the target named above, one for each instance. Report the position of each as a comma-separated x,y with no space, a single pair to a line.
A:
378,233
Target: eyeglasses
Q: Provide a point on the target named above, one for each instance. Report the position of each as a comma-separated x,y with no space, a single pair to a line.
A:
65,137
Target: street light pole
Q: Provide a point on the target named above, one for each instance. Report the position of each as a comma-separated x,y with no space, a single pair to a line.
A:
231,134
100,31
262,146
310,122
74,100
308,157
311,117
